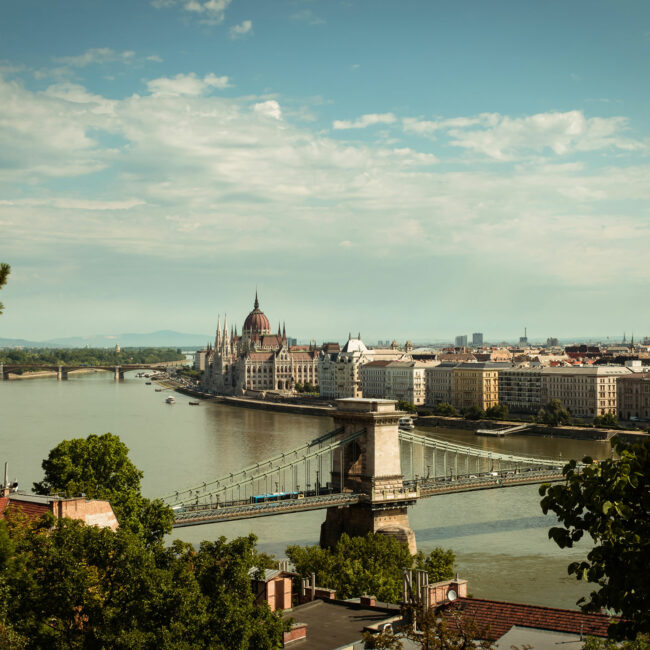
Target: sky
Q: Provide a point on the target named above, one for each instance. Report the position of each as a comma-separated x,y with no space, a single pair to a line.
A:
414,169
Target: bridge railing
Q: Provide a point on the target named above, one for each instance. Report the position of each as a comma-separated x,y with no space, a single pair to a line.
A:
270,469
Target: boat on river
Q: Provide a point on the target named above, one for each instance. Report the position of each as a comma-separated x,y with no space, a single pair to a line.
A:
170,400
194,403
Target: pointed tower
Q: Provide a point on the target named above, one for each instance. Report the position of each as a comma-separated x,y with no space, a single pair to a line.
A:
217,338
284,333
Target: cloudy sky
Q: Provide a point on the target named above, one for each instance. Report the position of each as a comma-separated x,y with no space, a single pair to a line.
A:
412,169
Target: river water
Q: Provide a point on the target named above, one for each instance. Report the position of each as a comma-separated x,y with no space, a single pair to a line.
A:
499,536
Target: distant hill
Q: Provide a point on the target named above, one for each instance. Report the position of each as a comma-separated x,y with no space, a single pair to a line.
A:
160,339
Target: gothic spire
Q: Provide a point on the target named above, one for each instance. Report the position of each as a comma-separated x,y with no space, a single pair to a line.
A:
257,302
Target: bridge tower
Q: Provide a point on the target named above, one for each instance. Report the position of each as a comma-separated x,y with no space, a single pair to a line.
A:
61,374
371,466
119,373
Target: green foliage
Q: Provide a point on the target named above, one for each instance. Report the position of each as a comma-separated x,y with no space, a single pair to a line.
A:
497,412
403,405
77,586
90,356
554,413
307,387
433,631
5,270
190,372
642,642
609,501
367,565
473,413
99,468
445,409
609,421
439,564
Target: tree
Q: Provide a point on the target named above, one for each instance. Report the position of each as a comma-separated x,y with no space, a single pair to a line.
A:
497,412
473,413
5,269
554,413
439,564
77,586
445,409
99,468
403,405
451,632
610,501
608,420
367,565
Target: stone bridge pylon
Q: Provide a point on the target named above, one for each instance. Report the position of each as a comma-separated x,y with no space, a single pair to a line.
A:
371,466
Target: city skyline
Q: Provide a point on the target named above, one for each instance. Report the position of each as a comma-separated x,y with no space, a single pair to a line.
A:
472,166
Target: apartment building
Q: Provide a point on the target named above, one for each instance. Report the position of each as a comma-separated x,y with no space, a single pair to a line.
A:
520,389
401,380
633,396
584,391
475,384
438,384
339,373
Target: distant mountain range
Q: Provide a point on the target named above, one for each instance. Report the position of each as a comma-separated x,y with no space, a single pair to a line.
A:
161,339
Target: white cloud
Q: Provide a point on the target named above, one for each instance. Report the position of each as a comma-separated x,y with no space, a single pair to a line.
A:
211,12
96,56
245,27
506,138
270,108
187,84
190,170
364,121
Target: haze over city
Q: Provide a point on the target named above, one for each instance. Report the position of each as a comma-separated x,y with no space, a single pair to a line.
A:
414,169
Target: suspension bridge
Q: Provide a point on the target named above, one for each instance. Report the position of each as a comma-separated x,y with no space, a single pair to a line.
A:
366,473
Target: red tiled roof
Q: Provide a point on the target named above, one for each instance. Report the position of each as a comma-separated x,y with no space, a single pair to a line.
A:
499,617
261,356
302,356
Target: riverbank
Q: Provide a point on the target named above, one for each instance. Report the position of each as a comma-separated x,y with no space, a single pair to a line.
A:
534,429
246,402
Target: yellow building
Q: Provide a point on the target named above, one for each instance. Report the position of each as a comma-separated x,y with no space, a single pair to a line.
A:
475,384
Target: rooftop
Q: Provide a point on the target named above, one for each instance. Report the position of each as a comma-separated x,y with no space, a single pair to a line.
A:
331,624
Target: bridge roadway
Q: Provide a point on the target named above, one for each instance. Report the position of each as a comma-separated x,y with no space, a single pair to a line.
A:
205,514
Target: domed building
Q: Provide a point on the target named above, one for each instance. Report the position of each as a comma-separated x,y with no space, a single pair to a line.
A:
257,361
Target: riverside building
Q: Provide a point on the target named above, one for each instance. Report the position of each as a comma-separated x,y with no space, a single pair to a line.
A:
585,392
400,380
257,360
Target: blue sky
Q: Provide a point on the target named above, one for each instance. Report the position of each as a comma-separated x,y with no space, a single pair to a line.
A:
411,169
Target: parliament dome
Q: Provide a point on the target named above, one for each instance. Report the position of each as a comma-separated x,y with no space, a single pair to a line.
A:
256,322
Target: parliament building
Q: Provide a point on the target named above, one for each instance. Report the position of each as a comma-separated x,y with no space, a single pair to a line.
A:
257,361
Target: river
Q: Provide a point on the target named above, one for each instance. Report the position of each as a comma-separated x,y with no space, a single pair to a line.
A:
499,536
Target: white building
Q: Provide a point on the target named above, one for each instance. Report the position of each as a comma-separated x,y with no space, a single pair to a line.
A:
339,372
400,380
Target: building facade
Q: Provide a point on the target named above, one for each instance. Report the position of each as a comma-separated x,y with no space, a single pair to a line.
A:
520,389
633,396
257,360
400,380
585,391
339,373
475,384
438,384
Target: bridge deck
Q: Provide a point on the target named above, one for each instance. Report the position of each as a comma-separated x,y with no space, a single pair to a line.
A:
202,514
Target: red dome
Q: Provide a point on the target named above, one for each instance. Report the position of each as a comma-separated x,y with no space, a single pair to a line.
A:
256,322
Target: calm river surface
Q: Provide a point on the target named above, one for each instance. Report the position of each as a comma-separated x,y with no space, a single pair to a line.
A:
499,536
